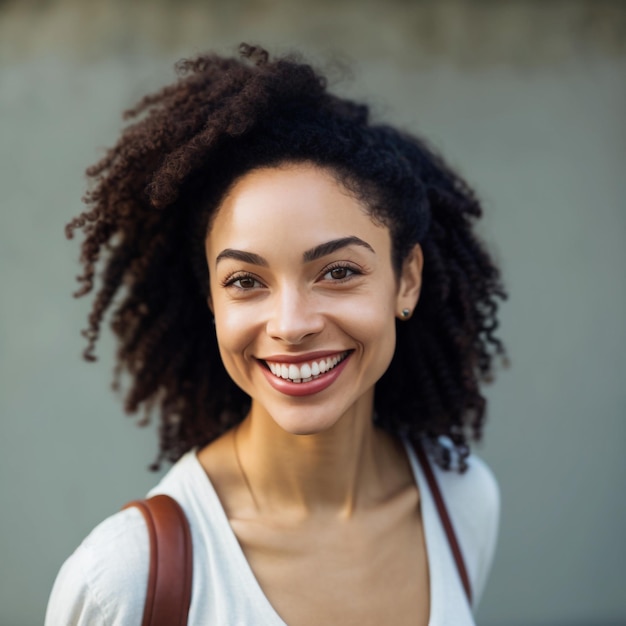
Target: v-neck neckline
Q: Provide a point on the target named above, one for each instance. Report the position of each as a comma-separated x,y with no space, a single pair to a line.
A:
251,584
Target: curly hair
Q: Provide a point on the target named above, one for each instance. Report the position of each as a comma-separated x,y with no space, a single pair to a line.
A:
149,211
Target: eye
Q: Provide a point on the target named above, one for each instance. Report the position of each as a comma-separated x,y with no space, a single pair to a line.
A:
246,282
243,282
340,273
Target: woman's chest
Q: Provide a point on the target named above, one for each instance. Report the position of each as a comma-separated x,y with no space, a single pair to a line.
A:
367,571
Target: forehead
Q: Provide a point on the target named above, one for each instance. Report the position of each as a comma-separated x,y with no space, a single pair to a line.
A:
299,204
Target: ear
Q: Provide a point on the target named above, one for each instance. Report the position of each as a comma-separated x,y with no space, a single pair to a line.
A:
410,283
209,301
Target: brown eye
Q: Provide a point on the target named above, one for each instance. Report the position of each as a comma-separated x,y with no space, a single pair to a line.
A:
339,272
242,282
246,282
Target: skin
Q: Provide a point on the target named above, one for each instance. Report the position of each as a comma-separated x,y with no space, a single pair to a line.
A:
323,504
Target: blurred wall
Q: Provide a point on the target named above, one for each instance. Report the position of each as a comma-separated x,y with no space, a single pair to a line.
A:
526,98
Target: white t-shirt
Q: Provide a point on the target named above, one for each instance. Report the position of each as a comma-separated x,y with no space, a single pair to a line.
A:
104,581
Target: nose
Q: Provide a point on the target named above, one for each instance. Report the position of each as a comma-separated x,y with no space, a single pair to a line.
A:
294,317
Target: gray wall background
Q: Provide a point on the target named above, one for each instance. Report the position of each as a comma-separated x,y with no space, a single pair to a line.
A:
526,98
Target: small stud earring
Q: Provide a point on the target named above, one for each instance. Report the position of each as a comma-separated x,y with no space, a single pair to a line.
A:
405,313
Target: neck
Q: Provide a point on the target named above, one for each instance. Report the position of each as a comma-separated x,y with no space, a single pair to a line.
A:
332,472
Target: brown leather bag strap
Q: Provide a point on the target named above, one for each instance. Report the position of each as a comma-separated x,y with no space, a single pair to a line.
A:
171,560
445,519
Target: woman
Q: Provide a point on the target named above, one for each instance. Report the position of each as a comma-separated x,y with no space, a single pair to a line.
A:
305,302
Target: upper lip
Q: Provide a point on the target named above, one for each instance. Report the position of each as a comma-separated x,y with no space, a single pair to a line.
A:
301,358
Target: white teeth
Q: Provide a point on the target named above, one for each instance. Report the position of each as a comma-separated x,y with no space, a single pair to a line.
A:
307,371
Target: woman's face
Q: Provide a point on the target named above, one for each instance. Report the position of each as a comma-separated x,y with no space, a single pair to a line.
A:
304,296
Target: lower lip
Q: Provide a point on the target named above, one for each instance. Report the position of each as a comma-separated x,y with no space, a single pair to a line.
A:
289,388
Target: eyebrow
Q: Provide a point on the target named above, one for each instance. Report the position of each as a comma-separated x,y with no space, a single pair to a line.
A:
331,246
310,255
241,255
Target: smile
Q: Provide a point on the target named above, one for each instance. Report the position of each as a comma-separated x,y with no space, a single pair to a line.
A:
299,378
305,372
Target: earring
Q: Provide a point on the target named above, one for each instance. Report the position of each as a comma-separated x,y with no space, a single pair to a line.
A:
405,313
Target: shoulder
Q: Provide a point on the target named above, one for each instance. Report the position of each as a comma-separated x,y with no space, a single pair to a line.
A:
104,581
474,495
473,501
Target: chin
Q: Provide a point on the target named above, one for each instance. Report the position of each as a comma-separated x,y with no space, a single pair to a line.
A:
303,423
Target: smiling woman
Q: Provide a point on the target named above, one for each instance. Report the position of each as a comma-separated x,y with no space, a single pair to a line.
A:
305,301
311,286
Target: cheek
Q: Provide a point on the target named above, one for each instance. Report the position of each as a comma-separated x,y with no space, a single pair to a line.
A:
235,333
385,339
233,359
375,330
233,336
233,325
